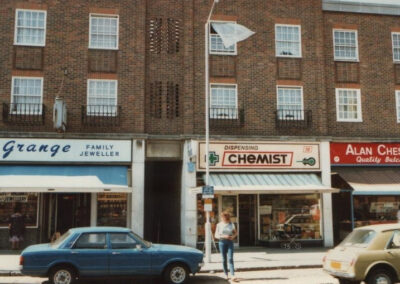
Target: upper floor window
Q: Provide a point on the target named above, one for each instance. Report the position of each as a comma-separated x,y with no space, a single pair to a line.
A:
396,46
290,103
216,44
288,40
348,105
345,44
103,32
30,27
27,95
102,97
398,105
223,101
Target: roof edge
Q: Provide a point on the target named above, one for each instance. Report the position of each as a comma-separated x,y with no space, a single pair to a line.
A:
358,7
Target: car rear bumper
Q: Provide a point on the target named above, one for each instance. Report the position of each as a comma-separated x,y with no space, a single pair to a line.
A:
340,274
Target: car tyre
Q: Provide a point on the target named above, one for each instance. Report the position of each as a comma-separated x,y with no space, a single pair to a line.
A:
62,275
347,281
380,276
176,273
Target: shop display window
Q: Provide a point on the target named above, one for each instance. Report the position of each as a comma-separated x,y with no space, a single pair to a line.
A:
290,213
370,210
201,217
112,209
28,203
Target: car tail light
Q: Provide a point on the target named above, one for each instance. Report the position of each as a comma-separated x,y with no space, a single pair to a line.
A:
352,262
21,260
324,258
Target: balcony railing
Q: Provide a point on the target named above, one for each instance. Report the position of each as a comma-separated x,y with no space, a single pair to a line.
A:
286,118
227,116
24,114
101,115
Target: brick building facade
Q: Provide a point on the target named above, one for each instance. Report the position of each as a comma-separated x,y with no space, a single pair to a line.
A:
134,70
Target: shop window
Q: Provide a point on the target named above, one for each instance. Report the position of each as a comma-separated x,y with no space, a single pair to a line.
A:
370,210
276,212
201,217
28,203
112,209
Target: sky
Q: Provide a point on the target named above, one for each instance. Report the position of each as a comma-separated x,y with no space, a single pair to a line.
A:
374,1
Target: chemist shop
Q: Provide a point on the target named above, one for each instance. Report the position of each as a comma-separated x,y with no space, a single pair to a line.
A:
368,176
59,184
266,187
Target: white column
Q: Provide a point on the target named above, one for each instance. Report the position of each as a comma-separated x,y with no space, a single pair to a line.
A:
188,198
326,197
93,209
137,202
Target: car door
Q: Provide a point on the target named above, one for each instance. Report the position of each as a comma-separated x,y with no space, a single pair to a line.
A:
91,254
126,258
393,249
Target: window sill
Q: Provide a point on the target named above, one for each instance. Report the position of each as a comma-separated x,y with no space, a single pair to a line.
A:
222,53
102,48
288,56
357,121
347,60
29,45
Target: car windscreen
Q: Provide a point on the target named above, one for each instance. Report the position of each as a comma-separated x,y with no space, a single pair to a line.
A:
57,242
359,238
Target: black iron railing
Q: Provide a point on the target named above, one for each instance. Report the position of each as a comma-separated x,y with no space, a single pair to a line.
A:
24,113
232,116
101,115
298,118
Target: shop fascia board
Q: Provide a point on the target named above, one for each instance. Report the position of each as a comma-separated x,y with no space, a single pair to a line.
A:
268,190
65,189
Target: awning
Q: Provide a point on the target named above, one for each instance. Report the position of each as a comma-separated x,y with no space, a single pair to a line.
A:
44,178
371,181
268,183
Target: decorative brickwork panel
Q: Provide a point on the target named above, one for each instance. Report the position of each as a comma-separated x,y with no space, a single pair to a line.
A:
28,58
222,66
289,68
156,99
397,73
155,35
173,35
103,61
347,72
172,103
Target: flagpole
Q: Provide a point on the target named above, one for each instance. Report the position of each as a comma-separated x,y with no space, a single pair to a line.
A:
207,228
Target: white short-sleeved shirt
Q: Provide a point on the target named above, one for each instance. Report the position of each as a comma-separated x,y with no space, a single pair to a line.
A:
224,229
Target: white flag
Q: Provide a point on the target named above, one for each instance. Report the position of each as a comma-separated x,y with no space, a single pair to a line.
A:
231,33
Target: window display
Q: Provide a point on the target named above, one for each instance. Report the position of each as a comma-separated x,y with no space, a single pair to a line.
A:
201,217
297,213
29,207
370,210
112,209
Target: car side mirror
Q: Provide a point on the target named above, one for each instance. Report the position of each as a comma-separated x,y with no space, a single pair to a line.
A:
139,247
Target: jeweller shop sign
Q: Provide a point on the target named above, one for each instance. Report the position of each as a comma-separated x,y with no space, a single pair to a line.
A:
365,153
259,156
64,150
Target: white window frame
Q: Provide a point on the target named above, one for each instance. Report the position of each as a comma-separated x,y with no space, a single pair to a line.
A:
90,30
209,40
359,109
236,101
397,95
12,94
357,59
300,42
16,28
88,113
393,47
302,99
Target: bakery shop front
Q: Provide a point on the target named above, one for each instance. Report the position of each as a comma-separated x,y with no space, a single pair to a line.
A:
265,186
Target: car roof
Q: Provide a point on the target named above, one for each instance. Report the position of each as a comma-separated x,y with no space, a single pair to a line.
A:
381,227
100,230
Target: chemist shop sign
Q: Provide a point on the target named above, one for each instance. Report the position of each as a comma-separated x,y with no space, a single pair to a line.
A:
365,153
259,156
63,150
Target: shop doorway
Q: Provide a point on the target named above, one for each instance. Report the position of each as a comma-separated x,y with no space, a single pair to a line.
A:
342,215
163,202
247,219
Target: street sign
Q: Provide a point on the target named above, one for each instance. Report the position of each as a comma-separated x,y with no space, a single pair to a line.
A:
207,205
208,192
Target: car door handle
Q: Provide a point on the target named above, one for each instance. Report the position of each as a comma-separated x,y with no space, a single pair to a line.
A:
74,252
115,253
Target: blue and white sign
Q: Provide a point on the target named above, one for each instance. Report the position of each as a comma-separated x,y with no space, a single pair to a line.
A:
208,192
64,150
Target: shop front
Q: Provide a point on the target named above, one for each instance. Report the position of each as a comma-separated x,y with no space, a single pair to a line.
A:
369,178
61,184
267,188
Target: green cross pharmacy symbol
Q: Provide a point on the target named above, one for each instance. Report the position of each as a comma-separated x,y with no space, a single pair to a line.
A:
213,158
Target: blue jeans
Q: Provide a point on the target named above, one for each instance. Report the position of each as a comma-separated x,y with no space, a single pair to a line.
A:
226,248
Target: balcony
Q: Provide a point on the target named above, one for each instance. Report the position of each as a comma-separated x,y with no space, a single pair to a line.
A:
24,114
224,117
293,118
101,115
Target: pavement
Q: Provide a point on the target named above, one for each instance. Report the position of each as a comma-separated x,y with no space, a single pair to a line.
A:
246,259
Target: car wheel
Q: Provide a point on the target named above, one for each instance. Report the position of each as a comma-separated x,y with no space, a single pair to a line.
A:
380,276
346,281
176,273
62,275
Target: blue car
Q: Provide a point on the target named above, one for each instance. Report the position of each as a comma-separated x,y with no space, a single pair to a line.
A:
108,252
